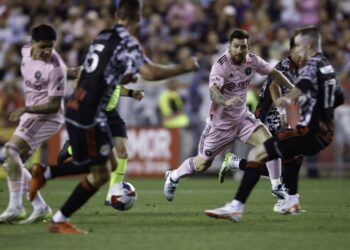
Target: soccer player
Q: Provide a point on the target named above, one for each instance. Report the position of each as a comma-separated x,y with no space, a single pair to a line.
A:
275,120
229,117
42,173
318,92
44,79
113,56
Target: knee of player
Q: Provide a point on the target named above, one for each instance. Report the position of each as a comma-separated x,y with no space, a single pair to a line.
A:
202,166
122,152
258,153
11,152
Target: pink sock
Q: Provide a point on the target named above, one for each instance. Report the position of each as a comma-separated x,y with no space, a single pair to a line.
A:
185,169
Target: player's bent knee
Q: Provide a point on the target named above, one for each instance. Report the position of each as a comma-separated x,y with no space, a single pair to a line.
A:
201,164
122,152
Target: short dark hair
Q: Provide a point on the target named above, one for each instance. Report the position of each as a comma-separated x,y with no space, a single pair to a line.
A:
310,31
128,9
43,32
239,34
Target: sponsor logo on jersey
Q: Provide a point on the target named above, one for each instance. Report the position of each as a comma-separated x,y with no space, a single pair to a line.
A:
240,85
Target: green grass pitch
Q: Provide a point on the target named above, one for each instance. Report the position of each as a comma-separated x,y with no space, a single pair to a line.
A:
156,224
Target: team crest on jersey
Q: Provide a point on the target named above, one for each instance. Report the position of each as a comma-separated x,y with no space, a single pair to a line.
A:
37,75
248,71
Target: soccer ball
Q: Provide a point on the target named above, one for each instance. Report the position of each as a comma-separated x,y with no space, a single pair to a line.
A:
122,196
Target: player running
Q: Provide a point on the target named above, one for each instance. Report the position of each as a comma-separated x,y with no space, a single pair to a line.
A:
229,118
275,119
44,81
119,156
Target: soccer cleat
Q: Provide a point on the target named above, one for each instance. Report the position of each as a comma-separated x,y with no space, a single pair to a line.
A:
281,192
227,212
228,165
169,186
38,180
39,215
11,215
289,205
107,203
64,228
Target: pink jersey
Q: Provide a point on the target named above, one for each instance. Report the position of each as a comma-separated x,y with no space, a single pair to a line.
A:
41,80
233,80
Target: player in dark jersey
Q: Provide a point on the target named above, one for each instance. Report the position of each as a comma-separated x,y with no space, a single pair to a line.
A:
114,56
118,156
275,120
319,94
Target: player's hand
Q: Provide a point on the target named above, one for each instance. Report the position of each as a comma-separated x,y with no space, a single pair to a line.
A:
282,102
129,78
138,94
191,64
233,101
15,115
284,121
74,72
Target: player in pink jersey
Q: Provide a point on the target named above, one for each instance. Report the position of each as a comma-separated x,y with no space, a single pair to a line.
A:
44,79
229,118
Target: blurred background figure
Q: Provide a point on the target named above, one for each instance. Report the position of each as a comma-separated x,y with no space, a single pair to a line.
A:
171,107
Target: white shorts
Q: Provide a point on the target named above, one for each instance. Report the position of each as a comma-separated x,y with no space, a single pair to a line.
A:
36,130
214,140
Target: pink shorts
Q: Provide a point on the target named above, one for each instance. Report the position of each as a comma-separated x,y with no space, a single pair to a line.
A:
214,140
36,130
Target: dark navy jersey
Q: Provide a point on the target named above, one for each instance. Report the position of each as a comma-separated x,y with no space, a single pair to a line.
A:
266,111
113,54
317,80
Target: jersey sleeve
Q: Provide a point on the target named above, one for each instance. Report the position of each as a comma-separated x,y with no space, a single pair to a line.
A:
262,67
57,82
307,79
135,59
217,76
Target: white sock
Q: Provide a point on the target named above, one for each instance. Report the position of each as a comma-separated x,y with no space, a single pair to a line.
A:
185,169
234,163
38,201
47,173
275,183
274,168
16,193
59,217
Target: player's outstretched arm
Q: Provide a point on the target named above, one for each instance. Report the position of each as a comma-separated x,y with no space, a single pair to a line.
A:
155,72
220,99
292,96
275,91
280,79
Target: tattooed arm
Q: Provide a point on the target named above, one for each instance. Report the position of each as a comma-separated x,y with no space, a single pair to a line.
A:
220,99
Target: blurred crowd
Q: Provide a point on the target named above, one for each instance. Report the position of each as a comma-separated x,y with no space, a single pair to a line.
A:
171,31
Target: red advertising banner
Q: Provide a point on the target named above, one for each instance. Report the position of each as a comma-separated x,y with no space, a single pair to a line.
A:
152,150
